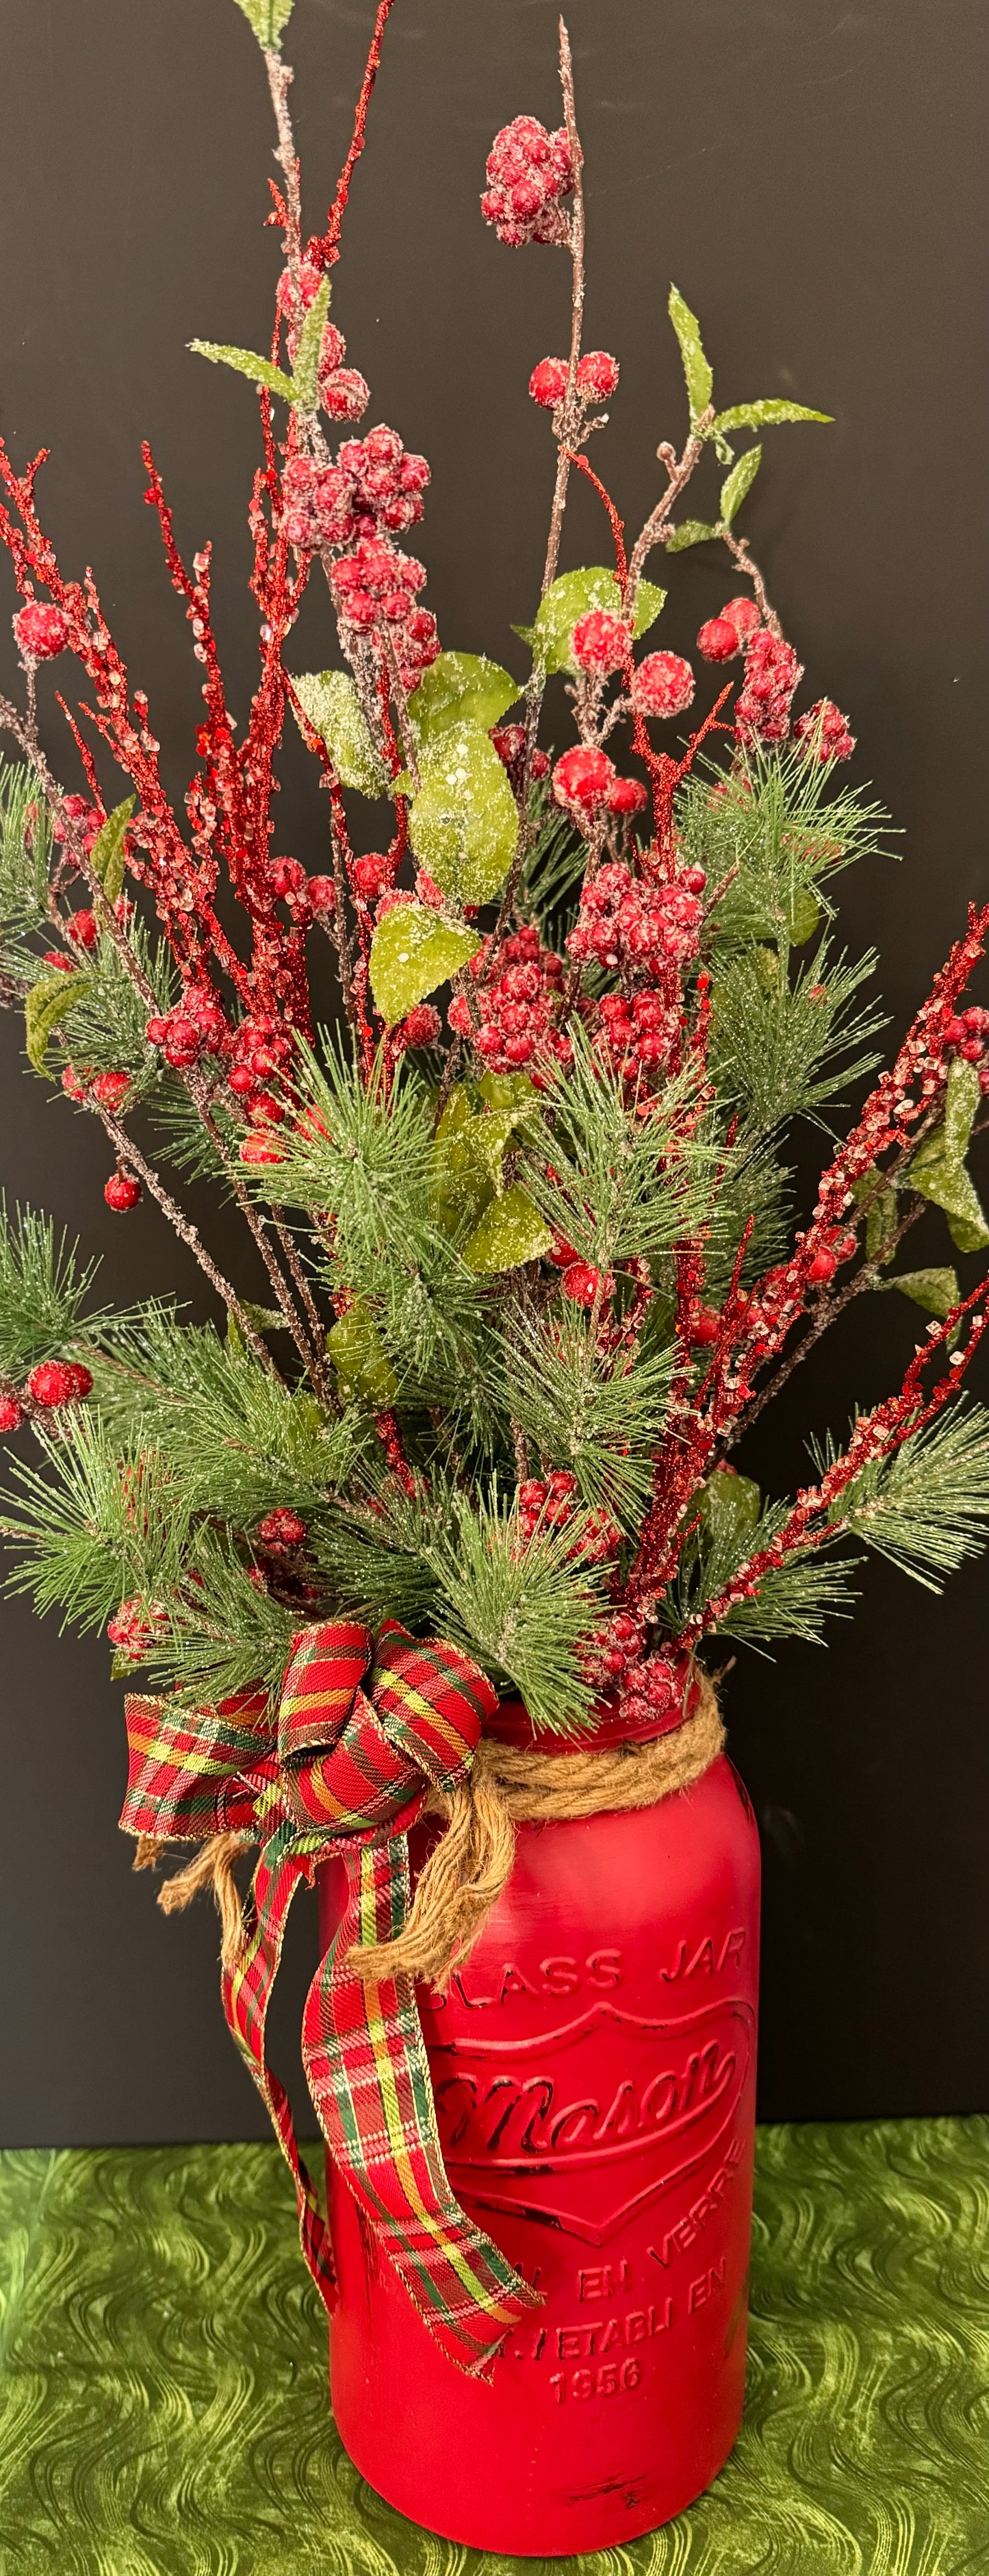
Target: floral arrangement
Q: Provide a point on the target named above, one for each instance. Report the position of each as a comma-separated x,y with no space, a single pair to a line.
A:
527,1215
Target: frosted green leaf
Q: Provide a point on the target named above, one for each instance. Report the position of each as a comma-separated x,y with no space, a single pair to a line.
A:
49,1001
508,1091
938,1167
461,687
880,1223
803,916
511,1231
570,597
333,707
305,373
738,483
267,17
729,1506
412,951
764,415
246,362
108,849
469,1159
463,822
691,532
937,1291
364,1371
697,370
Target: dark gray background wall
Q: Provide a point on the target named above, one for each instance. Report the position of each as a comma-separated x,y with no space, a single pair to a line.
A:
814,180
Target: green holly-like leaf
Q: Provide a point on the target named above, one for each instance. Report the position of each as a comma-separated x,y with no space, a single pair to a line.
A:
763,415
411,953
937,1291
697,370
305,373
729,1506
49,1001
364,1371
938,1167
570,597
738,483
268,18
691,532
461,688
511,1231
246,362
803,917
463,820
330,701
880,1223
108,851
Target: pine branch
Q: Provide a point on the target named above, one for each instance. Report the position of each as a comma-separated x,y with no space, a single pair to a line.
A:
599,1415
43,1292
779,1049
927,1508
522,1611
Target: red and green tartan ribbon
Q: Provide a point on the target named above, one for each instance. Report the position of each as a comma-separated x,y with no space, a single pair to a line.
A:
344,1769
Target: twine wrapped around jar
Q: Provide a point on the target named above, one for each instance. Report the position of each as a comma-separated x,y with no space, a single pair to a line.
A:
471,1863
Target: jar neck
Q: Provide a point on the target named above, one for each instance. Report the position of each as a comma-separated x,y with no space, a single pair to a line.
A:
608,1728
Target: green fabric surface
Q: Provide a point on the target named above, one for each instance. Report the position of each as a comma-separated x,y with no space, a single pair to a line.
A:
163,2399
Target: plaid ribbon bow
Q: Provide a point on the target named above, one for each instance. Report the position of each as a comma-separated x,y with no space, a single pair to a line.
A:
345,1769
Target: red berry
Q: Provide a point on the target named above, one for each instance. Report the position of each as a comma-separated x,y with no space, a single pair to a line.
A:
264,1110
663,685
110,1089
40,632
971,1050
719,640
822,1268
83,929
421,1027
694,879
370,875
597,375
548,382
11,1413
183,1044
824,731
705,1327
583,778
628,796
322,895
259,1579
122,1191
59,1382
976,1020
586,1285
955,1031
71,1085
743,615
599,641
262,1148
281,1528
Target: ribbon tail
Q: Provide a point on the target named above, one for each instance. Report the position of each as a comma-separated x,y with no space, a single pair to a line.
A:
246,1990
365,2059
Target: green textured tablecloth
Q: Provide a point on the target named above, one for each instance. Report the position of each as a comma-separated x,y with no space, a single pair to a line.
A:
163,2406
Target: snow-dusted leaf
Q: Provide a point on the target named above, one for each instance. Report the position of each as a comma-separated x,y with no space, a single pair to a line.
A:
246,362
937,1291
570,597
511,1231
803,916
730,1506
305,373
108,849
461,687
363,1368
738,483
411,953
49,1001
463,822
765,415
691,532
938,1166
268,18
697,370
333,707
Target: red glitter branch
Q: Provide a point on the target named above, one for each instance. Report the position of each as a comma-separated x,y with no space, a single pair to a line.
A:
877,1435
323,249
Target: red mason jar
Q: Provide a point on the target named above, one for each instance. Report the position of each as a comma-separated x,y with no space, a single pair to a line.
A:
594,2071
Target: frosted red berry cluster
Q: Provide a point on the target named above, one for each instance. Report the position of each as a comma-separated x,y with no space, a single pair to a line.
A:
530,174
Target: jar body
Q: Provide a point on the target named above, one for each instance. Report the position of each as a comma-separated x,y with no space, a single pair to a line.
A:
594,2071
